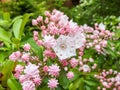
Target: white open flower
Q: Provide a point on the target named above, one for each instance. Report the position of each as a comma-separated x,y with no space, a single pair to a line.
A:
64,47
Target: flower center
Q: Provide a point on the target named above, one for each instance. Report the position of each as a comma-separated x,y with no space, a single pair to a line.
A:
63,46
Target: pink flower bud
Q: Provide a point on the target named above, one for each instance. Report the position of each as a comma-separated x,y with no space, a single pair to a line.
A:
35,33
47,13
19,68
39,42
105,84
15,56
97,47
94,66
45,68
17,75
73,62
64,63
42,27
27,47
70,75
40,18
18,54
81,53
34,22
25,57
110,71
35,38
46,20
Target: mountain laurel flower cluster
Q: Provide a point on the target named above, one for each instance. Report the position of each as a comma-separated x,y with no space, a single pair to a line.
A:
109,79
62,58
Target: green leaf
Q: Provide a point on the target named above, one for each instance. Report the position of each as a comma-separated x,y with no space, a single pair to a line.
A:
19,25
87,87
6,15
24,21
4,36
1,88
16,18
59,88
15,40
90,82
16,28
77,84
7,72
40,52
4,22
63,80
13,84
2,56
76,74
43,88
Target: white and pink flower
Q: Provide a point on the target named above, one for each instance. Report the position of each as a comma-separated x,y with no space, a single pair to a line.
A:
53,70
52,83
28,85
70,75
27,47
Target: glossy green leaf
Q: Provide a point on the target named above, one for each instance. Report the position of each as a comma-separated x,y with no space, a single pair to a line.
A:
4,22
4,35
13,84
77,84
24,21
19,25
16,18
16,28
90,82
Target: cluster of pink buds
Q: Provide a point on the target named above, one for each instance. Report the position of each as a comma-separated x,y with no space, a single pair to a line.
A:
84,64
55,23
21,56
28,75
97,37
109,79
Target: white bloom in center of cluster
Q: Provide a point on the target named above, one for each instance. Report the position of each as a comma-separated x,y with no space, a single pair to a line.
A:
66,45
64,48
